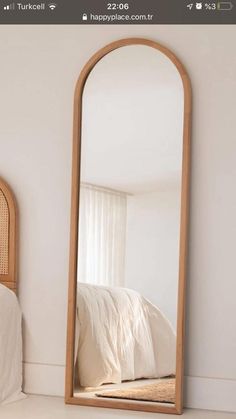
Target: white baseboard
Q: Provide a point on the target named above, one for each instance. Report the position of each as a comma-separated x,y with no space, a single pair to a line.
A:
200,392
210,393
47,380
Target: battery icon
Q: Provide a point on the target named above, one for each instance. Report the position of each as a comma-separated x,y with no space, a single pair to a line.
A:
224,5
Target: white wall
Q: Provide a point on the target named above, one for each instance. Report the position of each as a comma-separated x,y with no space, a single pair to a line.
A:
152,247
39,67
147,94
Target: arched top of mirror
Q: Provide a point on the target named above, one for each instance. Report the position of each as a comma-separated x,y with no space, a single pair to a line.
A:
133,96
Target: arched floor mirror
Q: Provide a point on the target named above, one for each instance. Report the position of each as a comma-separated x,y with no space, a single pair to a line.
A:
128,239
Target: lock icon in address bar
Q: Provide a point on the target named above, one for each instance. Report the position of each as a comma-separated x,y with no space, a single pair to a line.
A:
84,16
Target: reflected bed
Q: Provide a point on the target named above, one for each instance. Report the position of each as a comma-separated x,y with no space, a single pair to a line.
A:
121,336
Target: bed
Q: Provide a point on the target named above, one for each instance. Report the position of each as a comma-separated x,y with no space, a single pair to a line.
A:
120,336
10,313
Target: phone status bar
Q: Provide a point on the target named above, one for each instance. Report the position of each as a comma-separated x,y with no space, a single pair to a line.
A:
100,12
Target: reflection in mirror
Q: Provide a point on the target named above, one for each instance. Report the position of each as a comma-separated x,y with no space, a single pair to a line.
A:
129,228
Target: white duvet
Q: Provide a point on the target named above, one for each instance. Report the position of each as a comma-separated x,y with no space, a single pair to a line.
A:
10,347
121,336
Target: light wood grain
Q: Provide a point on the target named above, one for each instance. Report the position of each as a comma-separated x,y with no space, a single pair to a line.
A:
142,406
10,278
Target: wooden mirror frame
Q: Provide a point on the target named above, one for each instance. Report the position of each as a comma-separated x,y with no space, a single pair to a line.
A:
77,122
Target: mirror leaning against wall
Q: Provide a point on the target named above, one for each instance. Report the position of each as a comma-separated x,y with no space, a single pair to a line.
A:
128,238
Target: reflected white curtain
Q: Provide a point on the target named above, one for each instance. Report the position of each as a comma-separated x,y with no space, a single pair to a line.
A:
102,234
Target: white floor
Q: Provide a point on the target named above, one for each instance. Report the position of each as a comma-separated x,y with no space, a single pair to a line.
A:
38,407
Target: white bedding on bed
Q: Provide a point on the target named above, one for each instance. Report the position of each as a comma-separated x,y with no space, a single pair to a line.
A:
121,336
10,347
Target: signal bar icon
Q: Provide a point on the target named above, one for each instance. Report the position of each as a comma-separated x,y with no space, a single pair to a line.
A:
9,7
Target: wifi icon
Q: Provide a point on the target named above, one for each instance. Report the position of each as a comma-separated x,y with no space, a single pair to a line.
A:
52,6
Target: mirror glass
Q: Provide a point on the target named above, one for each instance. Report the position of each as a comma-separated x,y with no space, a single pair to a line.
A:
129,228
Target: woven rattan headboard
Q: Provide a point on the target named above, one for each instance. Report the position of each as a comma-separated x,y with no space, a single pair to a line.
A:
8,236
